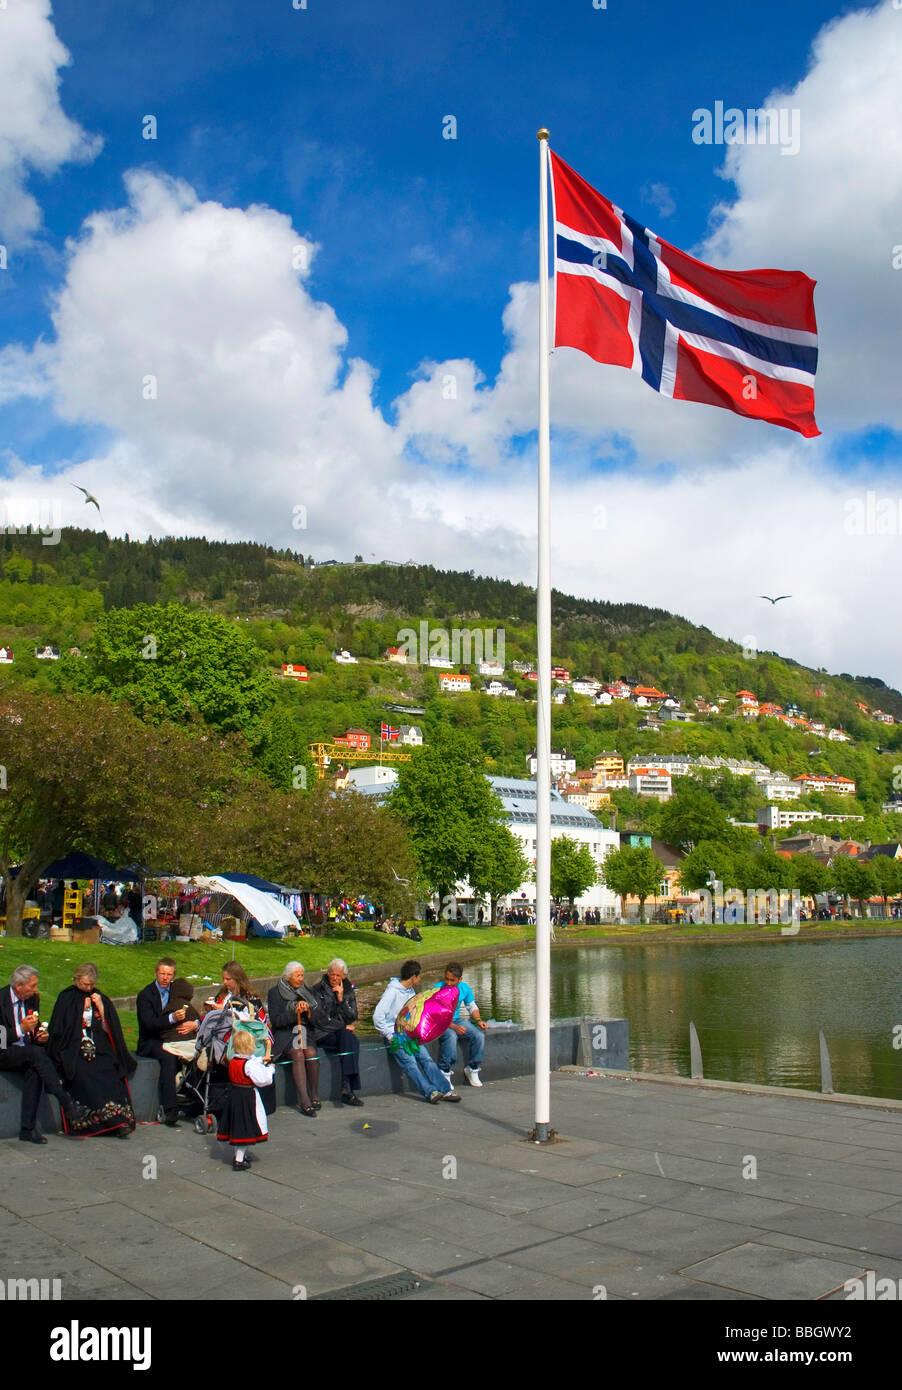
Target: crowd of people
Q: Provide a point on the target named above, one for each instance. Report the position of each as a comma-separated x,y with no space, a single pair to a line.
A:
81,1059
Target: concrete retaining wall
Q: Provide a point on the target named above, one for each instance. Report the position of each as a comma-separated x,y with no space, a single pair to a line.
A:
599,1043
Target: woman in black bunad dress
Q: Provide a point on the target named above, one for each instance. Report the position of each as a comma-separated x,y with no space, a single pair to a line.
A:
85,1040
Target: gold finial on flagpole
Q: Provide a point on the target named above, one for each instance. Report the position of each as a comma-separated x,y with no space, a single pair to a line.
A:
543,134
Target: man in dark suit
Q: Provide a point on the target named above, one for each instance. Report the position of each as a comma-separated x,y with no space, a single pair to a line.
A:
22,1049
154,1018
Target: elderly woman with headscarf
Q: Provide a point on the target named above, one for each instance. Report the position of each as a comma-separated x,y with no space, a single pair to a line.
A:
86,1042
289,1004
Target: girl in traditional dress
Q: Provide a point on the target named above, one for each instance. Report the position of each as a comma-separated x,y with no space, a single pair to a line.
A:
244,1119
86,1042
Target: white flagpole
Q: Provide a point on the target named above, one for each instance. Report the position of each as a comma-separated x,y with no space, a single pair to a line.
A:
542,1131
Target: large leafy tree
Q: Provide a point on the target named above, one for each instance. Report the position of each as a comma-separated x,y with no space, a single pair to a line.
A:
573,869
443,797
633,871
709,857
693,814
167,662
498,866
80,772
886,874
338,843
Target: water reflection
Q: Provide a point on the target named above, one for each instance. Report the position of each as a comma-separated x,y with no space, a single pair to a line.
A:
757,1008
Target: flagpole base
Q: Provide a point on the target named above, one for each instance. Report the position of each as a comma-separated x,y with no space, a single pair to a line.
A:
542,1134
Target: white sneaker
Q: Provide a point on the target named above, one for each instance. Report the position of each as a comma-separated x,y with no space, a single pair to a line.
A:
472,1076
449,1077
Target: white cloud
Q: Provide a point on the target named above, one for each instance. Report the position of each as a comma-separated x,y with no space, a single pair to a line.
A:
835,211
35,132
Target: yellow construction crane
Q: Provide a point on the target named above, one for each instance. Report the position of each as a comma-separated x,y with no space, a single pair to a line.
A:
324,753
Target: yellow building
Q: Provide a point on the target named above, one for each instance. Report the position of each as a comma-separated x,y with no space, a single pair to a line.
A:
609,764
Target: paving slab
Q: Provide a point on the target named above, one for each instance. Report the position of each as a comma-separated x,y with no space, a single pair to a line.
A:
768,1272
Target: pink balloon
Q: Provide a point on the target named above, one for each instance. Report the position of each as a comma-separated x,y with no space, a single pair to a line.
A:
429,1014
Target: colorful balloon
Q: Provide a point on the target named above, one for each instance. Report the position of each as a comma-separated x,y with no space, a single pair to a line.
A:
425,1017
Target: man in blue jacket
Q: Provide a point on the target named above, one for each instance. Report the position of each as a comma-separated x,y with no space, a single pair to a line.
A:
466,1026
419,1068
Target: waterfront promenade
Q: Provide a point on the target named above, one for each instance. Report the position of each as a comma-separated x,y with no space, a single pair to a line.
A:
644,1198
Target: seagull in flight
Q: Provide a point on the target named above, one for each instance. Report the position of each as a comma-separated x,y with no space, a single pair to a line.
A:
775,600
90,499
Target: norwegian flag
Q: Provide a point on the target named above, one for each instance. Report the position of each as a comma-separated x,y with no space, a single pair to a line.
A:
743,340
388,734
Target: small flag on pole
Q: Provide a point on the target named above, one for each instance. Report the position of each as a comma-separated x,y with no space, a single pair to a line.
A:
388,734
742,340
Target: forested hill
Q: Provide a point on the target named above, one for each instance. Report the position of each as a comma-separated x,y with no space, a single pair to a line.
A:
54,594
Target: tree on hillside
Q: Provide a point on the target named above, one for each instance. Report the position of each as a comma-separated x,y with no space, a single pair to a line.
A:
171,663
573,869
446,802
82,773
498,866
693,814
633,872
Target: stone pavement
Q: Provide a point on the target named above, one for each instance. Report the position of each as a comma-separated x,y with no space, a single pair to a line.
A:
644,1196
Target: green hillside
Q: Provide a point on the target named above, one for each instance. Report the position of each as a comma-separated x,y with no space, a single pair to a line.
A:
273,608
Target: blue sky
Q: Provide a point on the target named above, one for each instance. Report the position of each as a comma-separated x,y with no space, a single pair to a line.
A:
333,114
278,127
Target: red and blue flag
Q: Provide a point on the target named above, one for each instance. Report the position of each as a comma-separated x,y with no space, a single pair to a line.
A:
743,340
388,734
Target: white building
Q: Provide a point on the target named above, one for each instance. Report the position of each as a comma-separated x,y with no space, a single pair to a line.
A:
491,668
6,656
344,658
779,789
450,685
496,687
651,781
561,762
586,686
47,653
411,735
837,736
361,777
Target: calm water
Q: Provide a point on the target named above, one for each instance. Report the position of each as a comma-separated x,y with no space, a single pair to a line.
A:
757,1008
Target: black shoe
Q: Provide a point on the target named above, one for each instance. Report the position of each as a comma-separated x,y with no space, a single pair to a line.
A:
317,1104
171,1118
307,1110
240,1165
32,1136
349,1098
74,1110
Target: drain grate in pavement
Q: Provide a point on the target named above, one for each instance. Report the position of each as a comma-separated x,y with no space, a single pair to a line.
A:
392,1286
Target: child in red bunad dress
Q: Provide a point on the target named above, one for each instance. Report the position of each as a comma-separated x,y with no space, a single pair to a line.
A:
244,1119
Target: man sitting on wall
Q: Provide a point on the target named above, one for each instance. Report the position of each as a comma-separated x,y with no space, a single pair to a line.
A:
156,1015
22,1039
466,1027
